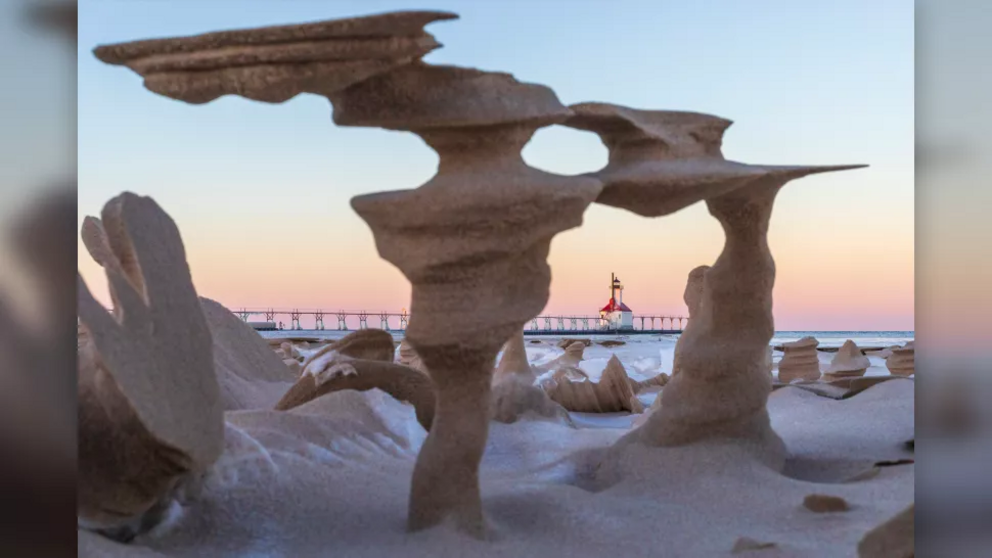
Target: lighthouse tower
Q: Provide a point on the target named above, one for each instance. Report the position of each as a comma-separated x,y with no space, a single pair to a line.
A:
616,314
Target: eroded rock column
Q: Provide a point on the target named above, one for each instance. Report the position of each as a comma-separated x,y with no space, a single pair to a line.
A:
473,241
723,385
661,162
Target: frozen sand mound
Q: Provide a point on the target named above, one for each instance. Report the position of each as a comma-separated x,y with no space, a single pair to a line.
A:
332,477
249,373
800,361
848,362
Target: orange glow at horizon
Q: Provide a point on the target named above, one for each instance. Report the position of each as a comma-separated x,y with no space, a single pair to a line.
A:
837,281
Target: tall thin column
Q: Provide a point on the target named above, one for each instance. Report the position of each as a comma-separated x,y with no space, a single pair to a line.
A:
473,241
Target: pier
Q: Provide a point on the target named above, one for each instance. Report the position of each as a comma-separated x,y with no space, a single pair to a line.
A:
342,320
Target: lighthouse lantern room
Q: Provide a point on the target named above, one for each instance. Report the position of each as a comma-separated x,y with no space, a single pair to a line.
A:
616,314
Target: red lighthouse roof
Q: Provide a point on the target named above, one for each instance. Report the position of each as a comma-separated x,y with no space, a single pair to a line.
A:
614,306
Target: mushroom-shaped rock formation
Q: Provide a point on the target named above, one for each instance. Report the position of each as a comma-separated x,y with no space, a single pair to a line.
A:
365,344
692,297
849,361
150,413
514,393
249,374
402,382
409,357
800,361
473,241
722,386
274,64
903,360
612,394
574,354
662,161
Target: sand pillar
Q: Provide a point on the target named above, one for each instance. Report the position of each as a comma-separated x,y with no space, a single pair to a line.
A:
473,241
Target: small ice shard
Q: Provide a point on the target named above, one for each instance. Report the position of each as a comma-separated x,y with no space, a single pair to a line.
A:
823,503
800,361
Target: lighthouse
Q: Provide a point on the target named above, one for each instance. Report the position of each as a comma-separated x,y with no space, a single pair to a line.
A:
616,314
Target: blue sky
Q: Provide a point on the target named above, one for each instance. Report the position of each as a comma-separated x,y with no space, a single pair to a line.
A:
805,82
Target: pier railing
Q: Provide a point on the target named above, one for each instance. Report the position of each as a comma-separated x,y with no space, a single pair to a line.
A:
344,320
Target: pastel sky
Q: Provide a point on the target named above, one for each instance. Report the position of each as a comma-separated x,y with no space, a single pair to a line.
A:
260,192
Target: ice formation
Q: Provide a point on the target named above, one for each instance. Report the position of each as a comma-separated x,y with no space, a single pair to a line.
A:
849,361
903,360
800,361
572,389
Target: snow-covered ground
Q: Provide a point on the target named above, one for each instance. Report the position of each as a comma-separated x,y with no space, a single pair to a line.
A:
331,478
